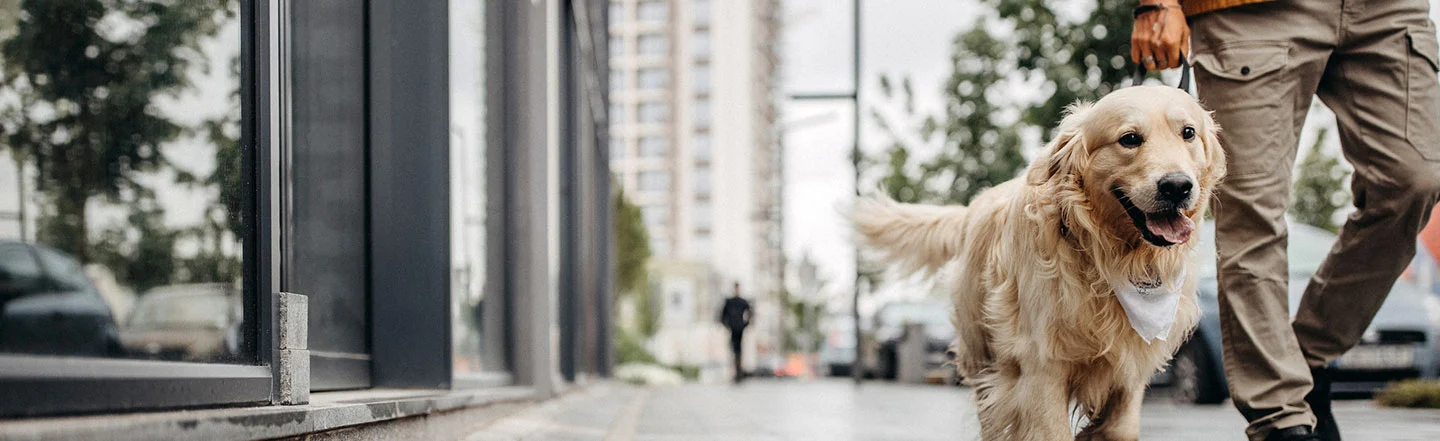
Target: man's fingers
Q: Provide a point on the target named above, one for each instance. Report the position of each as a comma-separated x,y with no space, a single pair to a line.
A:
1147,57
1172,56
1134,50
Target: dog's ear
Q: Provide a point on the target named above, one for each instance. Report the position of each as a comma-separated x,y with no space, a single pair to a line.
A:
1064,153
1214,153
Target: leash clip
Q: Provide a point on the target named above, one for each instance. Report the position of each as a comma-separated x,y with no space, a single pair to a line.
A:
1138,77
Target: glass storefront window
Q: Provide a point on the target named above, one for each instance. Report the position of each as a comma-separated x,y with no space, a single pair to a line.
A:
122,227
476,343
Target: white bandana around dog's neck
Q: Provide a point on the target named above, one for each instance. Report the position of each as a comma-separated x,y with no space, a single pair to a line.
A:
1150,305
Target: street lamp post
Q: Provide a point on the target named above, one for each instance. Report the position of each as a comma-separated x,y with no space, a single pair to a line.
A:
854,97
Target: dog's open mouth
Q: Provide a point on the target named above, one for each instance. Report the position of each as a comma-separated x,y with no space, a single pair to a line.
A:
1161,228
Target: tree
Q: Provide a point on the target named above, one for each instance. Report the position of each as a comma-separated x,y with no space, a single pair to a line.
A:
95,128
803,332
632,244
1319,187
981,130
632,254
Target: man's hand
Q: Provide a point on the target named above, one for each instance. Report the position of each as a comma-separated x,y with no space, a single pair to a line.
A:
1160,37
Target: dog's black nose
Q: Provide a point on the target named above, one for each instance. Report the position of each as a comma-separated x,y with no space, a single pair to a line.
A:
1175,188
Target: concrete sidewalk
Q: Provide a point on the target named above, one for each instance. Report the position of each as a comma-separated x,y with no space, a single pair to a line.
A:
838,410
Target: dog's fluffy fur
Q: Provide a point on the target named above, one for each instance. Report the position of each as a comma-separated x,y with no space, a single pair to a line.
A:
1039,328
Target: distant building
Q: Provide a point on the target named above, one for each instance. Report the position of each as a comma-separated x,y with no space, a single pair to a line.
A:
693,140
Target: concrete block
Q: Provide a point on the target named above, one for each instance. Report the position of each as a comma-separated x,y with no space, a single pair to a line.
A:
294,376
294,320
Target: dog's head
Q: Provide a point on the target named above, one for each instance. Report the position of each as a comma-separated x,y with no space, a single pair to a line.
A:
1145,158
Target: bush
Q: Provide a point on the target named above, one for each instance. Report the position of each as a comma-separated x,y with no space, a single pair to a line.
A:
629,348
688,371
1411,393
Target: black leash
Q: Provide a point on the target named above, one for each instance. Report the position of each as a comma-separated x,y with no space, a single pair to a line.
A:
1139,75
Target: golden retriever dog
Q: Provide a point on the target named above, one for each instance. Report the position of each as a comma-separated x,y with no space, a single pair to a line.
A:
1035,265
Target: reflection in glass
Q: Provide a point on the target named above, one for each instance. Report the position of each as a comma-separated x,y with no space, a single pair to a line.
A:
120,159
475,349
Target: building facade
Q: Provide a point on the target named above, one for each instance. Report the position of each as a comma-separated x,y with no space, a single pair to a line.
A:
694,140
257,219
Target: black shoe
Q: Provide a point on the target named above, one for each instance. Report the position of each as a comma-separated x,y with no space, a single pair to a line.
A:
1319,400
1297,433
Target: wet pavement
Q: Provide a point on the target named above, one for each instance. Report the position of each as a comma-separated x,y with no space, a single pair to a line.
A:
838,410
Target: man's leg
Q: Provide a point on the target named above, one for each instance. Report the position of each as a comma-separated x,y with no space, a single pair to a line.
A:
1382,86
1257,68
737,336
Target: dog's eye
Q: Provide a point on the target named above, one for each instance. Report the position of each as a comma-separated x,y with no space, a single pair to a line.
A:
1131,140
1187,133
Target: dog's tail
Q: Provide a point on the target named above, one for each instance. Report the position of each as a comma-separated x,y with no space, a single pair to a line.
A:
911,237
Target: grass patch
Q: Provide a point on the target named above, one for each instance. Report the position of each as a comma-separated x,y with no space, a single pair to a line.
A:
1411,393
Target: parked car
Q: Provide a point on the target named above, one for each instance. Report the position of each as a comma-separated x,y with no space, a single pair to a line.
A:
48,306
184,322
1400,343
837,354
890,321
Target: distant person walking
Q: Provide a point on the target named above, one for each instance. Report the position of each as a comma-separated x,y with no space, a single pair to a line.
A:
1258,65
736,316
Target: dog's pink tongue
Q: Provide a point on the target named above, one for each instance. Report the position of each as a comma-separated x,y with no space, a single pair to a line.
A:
1174,227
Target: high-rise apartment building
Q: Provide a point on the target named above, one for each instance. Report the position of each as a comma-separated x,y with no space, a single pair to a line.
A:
694,133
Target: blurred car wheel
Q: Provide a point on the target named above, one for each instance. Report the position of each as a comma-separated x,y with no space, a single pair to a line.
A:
1195,380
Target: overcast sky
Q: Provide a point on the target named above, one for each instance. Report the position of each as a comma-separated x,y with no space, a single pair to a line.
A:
900,37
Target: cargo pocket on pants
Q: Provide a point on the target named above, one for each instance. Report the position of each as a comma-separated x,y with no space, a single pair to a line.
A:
1423,93
1244,84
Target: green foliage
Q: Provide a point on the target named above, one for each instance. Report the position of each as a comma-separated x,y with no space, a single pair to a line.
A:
1411,393
96,128
804,325
687,371
648,309
981,130
147,262
632,245
632,250
1319,188
630,348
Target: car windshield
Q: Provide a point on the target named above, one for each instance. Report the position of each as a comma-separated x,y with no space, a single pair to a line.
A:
1306,248
170,309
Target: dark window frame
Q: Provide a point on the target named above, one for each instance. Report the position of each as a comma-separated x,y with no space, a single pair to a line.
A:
37,385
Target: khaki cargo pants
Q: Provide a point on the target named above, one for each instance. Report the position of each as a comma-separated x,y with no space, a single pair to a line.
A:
1257,67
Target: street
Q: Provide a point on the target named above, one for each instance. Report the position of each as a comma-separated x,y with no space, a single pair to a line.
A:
838,410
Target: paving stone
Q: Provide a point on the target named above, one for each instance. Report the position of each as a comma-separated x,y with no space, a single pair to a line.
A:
838,410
